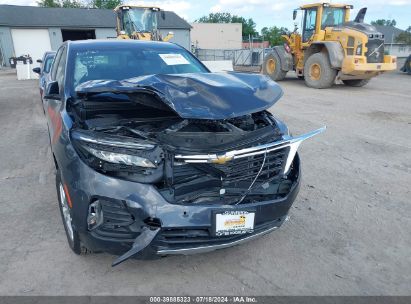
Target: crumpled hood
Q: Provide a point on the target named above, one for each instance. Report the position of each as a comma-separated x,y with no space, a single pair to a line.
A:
199,95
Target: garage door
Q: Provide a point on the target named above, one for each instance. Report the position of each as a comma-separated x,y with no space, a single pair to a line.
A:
31,41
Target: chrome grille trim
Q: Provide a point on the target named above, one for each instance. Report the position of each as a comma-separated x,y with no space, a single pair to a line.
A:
287,141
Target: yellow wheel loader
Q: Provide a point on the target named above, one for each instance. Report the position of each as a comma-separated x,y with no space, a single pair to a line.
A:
329,47
139,22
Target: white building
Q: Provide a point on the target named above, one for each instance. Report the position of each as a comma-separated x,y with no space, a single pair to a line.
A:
34,30
217,35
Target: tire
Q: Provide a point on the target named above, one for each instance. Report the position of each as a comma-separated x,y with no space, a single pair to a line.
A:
301,77
356,82
72,235
272,67
318,72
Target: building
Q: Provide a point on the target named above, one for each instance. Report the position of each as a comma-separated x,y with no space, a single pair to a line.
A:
390,45
256,44
217,35
34,30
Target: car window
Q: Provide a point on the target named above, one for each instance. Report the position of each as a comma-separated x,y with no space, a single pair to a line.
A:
61,68
54,66
332,16
48,63
124,63
309,23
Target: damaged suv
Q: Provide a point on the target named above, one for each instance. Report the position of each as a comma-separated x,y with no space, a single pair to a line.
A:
157,156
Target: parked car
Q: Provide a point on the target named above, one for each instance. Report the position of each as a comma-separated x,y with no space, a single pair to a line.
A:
407,65
45,68
157,156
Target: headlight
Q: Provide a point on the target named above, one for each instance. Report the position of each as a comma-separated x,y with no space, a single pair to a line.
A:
118,158
112,153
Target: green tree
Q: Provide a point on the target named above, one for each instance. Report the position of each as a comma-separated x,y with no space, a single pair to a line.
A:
216,18
273,34
61,3
72,4
247,24
107,4
404,37
384,22
48,3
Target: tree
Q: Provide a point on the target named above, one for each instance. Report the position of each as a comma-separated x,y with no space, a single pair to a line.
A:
107,4
384,22
72,4
248,24
216,18
48,3
61,3
273,34
404,37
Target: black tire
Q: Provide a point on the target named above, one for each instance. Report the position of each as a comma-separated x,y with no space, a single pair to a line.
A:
356,82
318,72
74,241
272,67
300,77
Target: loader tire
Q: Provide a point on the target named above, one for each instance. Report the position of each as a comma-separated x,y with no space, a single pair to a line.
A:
318,72
356,82
272,67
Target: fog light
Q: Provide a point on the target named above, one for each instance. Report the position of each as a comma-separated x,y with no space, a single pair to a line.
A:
95,215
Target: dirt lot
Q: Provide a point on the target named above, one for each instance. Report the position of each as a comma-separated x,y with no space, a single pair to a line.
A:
349,232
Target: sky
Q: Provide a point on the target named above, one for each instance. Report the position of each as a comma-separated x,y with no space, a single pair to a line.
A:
269,12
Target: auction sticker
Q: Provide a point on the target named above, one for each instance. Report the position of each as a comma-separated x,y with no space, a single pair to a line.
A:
173,59
234,222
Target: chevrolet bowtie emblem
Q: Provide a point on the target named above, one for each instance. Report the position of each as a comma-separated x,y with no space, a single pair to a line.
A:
222,159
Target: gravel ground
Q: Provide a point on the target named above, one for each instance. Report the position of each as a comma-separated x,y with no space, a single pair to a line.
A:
349,232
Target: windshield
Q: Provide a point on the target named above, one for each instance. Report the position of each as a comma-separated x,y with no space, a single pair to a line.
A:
132,61
139,20
332,16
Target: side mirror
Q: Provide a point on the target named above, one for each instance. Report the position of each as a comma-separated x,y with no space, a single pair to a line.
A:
163,15
36,70
294,14
52,90
39,61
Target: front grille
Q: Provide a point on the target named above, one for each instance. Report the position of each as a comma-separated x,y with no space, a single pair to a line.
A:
117,222
375,52
175,238
246,169
237,170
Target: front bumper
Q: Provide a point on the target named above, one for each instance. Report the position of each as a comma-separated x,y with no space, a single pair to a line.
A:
358,66
181,229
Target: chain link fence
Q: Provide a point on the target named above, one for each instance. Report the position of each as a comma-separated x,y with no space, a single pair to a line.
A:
2,59
241,57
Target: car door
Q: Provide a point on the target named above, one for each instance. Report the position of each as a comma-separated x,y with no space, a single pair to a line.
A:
53,106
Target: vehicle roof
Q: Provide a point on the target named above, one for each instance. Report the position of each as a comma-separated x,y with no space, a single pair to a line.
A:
136,6
326,4
158,45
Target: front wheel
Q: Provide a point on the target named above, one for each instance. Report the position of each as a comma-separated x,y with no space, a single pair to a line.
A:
73,238
272,67
318,72
356,82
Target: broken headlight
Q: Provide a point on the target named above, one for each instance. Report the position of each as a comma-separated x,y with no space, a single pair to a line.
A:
120,158
112,153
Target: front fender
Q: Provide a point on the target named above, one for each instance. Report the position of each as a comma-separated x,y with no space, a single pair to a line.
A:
335,52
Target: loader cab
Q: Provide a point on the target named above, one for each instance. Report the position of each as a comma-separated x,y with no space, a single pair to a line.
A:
317,17
136,19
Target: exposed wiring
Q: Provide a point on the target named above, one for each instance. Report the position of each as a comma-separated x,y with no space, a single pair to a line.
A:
255,179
